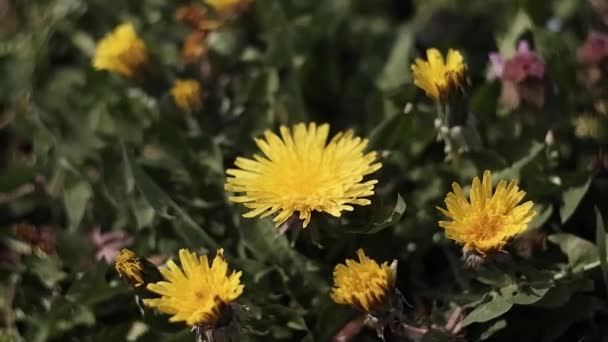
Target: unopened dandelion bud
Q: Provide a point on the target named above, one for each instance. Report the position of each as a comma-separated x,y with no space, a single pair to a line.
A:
187,95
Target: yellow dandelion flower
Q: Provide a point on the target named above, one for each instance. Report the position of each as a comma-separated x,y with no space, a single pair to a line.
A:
489,220
129,267
227,7
121,51
365,284
301,172
196,293
187,95
439,78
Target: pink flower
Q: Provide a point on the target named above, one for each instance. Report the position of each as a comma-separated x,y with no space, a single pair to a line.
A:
109,244
522,76
594,50
523,65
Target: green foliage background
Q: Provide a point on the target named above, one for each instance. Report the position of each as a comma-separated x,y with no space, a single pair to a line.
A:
83,149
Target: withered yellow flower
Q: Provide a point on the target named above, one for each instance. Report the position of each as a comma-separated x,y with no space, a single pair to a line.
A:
365,284
301,172
489,220
187,95
129,267
438,78
196,293
225,8
121,51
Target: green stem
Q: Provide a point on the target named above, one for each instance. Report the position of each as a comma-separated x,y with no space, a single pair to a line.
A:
586,267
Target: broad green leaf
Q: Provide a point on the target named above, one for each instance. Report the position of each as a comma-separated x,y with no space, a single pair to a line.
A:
75,198
14,177
92,288
523,294
561,293
48,268
580,252
543,213
514,171
487,311
185,226
492,329
601,241
396,70
571,198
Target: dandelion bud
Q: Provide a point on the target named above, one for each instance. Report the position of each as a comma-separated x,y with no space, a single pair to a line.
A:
121,52
187,95
442,80
365,285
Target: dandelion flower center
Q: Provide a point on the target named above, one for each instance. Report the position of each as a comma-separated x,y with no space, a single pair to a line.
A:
301,172
490,219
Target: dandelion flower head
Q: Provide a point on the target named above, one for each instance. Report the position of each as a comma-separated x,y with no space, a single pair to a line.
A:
121,51
196,293
364,284
129,267
301,172
187,95
489,219
439,77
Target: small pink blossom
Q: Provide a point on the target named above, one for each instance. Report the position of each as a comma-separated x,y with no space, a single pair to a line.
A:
594,50
523,65
522,76
109,244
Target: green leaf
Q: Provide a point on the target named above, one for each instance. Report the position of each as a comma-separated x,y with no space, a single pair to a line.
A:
48,269
492,329
393,218
507,43
143,212
14,177
543,213
580,252
572,196
75,198
487,311
92,288
600,240
191,232
395,72
523,294
514,171
561,293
